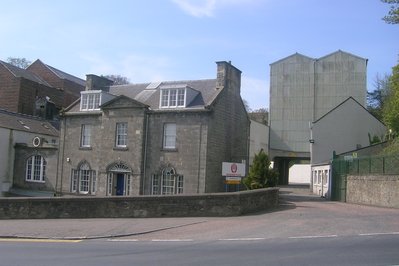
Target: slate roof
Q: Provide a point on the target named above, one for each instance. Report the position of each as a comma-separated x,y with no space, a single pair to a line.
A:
26,123
23,73
149,93
63,75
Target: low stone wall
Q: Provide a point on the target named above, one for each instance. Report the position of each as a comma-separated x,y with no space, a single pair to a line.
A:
215,204
379,190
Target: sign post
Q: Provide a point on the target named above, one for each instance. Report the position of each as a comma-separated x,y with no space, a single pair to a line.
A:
233,173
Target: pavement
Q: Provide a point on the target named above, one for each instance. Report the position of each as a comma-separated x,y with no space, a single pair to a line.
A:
299,213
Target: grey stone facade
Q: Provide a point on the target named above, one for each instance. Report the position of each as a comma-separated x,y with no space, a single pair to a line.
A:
22,154
28,155
212,127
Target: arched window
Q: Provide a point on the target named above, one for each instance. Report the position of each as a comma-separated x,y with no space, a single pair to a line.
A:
167,183
35,169
83,179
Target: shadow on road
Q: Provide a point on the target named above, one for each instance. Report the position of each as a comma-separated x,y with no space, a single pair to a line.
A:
291,195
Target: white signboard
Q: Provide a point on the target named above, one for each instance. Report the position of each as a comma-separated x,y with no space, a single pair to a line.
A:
233,169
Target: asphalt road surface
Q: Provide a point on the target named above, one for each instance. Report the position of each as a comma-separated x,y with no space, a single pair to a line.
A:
329,250
304,230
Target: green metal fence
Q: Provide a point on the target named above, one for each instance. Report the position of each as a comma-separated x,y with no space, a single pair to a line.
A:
370,165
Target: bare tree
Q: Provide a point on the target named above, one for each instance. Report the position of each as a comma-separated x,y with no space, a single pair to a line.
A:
19,62
118,79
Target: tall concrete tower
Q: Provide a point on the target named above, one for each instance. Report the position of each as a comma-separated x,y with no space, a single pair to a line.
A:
303,89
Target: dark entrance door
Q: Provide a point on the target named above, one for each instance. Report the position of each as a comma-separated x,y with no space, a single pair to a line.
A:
120,184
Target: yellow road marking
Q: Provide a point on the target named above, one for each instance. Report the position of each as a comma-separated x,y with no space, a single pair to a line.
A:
39,240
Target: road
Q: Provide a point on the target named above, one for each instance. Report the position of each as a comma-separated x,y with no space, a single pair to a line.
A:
347,250
304,230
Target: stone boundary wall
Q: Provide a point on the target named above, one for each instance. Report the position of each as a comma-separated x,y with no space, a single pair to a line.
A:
378,190
214,204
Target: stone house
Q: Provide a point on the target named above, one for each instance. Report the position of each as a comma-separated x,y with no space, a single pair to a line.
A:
153,138
28,155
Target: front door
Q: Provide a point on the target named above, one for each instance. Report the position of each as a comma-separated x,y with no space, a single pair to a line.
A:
120,184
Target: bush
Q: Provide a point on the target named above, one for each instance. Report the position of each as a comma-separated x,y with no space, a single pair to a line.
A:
260,174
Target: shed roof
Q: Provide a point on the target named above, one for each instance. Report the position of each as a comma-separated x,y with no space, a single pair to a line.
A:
27,123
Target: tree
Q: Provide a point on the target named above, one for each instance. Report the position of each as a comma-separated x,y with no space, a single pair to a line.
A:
377,98
260,115
261,110
246,105
393,14
19,62
260,174
118,79
391,108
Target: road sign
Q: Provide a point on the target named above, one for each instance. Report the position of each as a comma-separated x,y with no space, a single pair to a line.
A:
233,169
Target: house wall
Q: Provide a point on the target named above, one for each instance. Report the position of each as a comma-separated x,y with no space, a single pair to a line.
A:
228,131
259,139
9,90
6,163
9,157
102,152
22,153
344,129
189,157
70,153
71,92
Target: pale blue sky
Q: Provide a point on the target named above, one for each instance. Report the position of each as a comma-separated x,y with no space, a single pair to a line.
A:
182,39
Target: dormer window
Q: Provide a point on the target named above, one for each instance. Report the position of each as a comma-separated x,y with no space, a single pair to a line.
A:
90,100
173,98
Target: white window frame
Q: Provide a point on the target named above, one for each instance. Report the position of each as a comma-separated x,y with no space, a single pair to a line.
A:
121,134
168,183
35,169
84,180
85,136
173,98
169,136
90,100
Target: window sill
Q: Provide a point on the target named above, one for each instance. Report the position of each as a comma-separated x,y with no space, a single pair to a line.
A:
169,149
85,148
121,148
35,181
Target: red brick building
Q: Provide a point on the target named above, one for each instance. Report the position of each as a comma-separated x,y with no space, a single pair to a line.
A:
39,90
70,85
